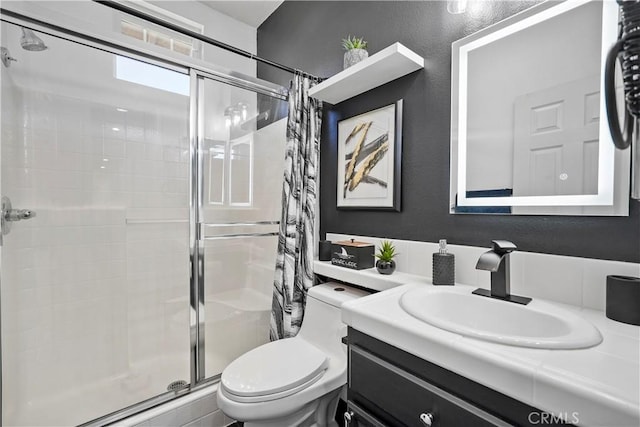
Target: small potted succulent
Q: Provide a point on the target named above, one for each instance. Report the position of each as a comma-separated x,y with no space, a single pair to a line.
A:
385,263
355,50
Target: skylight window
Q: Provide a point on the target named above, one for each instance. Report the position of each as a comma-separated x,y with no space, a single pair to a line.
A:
145,74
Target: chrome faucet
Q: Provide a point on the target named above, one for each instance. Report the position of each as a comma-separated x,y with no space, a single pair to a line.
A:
497,262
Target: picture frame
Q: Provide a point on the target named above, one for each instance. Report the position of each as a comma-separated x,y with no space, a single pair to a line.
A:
371,181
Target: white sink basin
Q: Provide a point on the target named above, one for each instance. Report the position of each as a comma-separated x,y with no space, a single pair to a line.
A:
537,325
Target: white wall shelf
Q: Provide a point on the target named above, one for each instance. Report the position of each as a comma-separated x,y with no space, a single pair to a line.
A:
368,278
389,64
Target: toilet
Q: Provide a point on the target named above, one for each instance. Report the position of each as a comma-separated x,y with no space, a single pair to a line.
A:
294,381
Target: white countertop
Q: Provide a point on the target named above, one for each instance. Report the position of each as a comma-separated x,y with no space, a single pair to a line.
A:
368,278
601,385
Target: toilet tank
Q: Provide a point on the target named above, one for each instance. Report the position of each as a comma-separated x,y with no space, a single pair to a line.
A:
322,323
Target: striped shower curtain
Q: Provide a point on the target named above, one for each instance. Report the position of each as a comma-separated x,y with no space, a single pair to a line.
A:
294,263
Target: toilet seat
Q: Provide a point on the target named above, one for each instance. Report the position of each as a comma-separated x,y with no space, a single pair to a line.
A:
272,396
273,371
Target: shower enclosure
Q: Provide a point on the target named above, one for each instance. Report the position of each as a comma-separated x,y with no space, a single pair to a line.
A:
138,255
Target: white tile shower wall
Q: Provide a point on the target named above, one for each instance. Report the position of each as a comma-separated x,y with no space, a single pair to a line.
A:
198,409
571,280
86,292
95,294
239,272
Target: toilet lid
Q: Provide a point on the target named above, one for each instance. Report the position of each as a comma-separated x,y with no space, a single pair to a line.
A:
274,367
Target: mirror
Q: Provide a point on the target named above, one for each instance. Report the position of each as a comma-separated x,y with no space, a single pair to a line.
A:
529,132
217,171
230,171
241,171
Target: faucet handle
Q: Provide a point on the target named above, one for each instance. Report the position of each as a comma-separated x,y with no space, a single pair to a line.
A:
503,246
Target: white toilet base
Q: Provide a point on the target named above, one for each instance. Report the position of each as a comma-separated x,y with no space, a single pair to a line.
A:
254,388
319,413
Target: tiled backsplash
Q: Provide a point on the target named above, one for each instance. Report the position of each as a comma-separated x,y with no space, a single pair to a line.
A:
571,280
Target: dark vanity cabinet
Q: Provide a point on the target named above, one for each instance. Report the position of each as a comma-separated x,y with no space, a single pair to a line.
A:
389,387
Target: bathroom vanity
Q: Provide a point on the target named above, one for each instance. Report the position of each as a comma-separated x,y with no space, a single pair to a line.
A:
388,386
403,371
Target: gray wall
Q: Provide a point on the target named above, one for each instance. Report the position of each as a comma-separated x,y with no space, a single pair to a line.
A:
306,35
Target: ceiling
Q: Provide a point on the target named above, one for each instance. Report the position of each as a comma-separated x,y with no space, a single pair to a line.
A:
252,12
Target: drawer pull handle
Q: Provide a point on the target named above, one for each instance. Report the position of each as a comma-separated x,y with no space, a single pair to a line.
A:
426,419
348,417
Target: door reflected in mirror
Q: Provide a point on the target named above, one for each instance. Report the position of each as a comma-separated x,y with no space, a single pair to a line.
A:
529,133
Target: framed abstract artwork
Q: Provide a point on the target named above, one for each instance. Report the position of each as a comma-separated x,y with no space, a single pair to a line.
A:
369,159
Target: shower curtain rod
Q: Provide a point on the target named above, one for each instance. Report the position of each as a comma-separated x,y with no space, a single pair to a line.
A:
131,11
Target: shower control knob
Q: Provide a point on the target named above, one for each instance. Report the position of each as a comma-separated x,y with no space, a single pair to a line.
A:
9,215
19,214
427,419
6,57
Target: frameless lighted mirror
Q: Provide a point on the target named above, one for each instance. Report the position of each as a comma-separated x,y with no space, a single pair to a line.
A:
529,132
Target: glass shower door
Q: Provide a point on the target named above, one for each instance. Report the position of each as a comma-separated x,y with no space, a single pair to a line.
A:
242,143
95,285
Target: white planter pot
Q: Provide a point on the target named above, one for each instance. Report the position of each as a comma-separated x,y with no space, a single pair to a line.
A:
353,56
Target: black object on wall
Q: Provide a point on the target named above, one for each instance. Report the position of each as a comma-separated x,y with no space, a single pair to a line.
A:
307,35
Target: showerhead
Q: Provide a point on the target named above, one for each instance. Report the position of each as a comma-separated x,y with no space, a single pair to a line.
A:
29,41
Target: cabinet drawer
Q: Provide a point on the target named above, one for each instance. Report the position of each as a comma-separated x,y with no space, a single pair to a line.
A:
358,417
399,398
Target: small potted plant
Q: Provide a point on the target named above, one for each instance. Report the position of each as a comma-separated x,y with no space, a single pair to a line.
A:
385,263
355,50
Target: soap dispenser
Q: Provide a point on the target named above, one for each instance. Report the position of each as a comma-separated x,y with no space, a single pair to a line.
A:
444,270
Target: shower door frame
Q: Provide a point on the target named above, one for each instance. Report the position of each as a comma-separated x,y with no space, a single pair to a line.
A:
197,236
197,73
